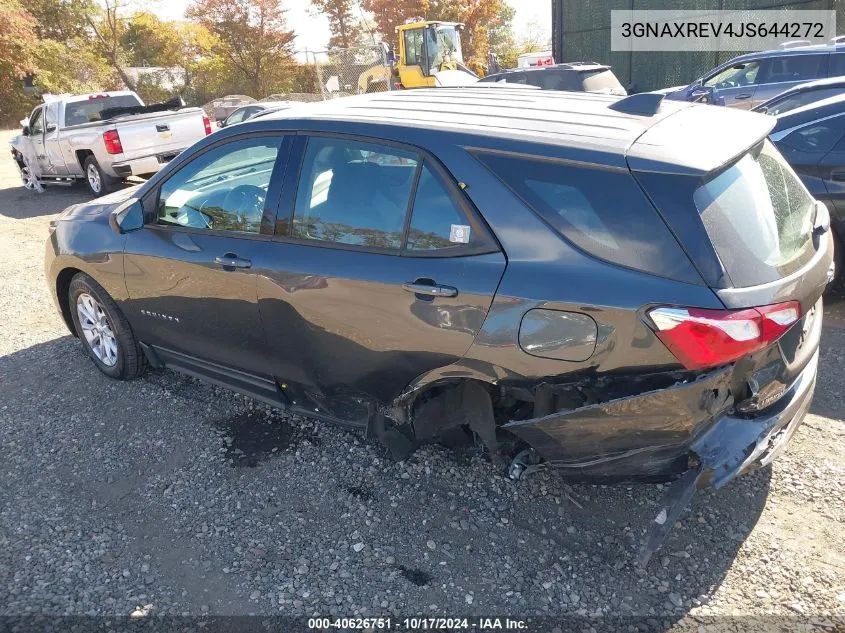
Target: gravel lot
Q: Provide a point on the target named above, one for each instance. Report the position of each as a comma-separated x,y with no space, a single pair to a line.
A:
169,496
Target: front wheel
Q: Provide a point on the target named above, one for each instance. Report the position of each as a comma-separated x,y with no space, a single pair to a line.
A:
99,183
103,330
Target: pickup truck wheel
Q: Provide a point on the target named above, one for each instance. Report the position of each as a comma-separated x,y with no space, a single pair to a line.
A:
103,330
98,182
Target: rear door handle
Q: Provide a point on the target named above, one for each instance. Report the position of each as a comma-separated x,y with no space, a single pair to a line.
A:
838,175
433,290
163,128
230,260
744,95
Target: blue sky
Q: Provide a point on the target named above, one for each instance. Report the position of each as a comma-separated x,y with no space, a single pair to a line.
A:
313,31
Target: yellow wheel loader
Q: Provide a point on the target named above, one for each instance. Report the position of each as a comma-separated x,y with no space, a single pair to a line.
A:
429,55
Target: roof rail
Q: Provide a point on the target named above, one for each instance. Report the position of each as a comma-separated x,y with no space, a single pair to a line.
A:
794,44
644,104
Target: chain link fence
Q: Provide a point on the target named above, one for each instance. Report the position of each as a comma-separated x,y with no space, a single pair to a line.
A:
341,72
581,32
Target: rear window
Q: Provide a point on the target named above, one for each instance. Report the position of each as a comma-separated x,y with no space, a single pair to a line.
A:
759,217
602,212
79,112
602,81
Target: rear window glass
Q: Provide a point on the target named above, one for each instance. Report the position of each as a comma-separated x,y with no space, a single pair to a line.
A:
602,212
602,81
759,217
79,112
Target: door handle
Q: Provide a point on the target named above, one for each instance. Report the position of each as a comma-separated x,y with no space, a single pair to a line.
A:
230,260
744,95
838,175
432,290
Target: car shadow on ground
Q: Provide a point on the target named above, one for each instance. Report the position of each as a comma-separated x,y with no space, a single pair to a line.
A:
19,203
539,546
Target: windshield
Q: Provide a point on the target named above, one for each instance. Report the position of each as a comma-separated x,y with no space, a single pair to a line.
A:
759,217
444,46
603,81
89,111
735,76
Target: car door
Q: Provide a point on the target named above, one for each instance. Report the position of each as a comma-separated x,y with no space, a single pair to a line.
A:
783,72
381,271
735,85
190,270
53,159
36,135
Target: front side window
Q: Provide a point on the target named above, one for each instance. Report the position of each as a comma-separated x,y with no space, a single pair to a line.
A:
353,192
36,122
603,213
816,138
735,76
759,217
414,47
224,189
801,99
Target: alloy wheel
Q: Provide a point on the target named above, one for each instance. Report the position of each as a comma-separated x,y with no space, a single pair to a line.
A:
97,329
94,178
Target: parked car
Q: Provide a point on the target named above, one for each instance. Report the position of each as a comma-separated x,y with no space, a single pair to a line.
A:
749,80
627,290
101,139
245,113
575,77
278,108
803,94
812,139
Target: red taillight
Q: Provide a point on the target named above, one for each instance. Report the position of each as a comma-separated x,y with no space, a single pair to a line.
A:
112,141
708,338
207,123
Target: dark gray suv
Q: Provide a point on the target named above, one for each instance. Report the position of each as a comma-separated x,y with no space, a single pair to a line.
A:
749,80
624,289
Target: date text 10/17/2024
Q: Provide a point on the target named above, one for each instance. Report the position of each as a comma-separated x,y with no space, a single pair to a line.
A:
417,624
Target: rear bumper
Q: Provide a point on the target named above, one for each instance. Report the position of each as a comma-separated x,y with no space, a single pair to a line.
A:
143,165
658,435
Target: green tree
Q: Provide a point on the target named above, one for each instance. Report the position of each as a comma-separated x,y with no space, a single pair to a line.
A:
18,45
251,35
149,41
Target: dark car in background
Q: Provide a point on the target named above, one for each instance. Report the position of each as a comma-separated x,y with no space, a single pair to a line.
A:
573,76
812,140
803,94
245,113
749,80
628,290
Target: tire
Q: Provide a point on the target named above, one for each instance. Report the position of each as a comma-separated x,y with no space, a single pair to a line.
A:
98,182
103,330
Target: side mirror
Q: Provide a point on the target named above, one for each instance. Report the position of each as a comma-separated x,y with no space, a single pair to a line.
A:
129,216
221,124
25,130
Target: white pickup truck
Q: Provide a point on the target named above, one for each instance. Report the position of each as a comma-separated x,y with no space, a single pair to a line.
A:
103,138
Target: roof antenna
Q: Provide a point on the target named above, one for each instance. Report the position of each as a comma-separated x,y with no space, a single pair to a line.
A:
644,104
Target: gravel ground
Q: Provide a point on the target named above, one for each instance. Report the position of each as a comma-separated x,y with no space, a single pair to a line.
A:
169,496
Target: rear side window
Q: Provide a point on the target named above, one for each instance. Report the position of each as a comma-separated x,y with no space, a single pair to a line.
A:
602,212
437,222
759,217
784,68
352,192
88,111
603,81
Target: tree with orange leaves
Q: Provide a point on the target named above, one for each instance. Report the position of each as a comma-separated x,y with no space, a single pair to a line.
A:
251,35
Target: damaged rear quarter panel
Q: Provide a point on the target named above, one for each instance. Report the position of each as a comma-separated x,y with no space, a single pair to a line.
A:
633,437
